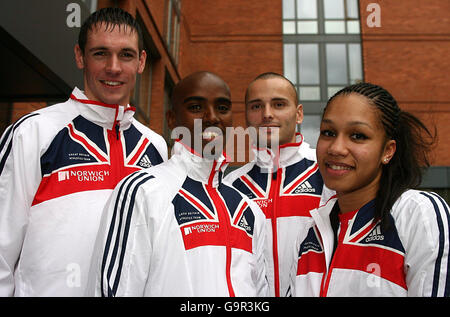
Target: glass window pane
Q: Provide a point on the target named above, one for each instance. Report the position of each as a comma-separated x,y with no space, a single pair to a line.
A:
333,89
306,9
173,20
307,27
336,64
145,85
309,93
352,9
308,56
334,27
175,38
353,27
288,9
354,57
310,129
289,27
334,9
290,62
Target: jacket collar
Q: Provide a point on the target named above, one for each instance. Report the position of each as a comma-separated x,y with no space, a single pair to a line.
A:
285,155
103,114
207,171
321,217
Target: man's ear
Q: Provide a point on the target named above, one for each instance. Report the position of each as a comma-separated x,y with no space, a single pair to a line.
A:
142,59
299,114
171,120
79,56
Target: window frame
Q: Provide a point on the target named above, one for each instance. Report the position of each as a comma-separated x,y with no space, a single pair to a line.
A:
173,21
143,113
315,107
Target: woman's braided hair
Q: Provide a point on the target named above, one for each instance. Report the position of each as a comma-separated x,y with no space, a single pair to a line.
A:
413,144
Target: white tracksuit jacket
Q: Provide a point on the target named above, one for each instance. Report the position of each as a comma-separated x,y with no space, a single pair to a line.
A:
286,188
177,230
410,259
58,167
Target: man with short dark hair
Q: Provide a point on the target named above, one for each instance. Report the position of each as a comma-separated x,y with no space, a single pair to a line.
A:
176,229
59,165
283,178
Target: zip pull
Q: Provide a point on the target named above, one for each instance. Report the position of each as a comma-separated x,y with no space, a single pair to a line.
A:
117,130
220,177
274,175
275,168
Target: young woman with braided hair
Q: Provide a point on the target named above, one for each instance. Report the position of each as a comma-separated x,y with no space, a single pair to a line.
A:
377,236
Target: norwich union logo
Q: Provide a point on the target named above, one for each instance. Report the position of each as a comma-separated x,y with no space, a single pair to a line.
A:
83,176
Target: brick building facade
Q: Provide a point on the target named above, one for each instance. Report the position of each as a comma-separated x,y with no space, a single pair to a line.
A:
407,54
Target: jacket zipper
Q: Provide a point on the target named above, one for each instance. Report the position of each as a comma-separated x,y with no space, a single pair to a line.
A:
116,127
274,192
116,152
327,275
223,218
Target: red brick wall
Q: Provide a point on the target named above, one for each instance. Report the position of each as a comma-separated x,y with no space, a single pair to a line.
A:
236,39
153,14
408,55
22,108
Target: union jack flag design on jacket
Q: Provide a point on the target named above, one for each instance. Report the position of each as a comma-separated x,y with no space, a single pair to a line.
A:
298,188
409,257
84,156
178,230
203,220
58,167
286,186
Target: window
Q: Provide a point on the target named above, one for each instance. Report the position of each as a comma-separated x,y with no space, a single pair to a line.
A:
320,17
300,17
341,17
322,53
91,5
168,88
173,28
142,93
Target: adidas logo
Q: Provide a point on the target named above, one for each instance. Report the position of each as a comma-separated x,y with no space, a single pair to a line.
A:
145,162
244,224
304,187
375,235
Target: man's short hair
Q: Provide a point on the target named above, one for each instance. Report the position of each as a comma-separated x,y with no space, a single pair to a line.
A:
182,82
269,75
111,17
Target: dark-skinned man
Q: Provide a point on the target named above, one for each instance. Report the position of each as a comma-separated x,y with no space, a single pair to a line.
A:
178,230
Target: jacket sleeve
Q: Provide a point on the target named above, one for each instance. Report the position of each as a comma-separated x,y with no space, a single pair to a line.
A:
121,258
425,236
19,179
259,274
294,258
